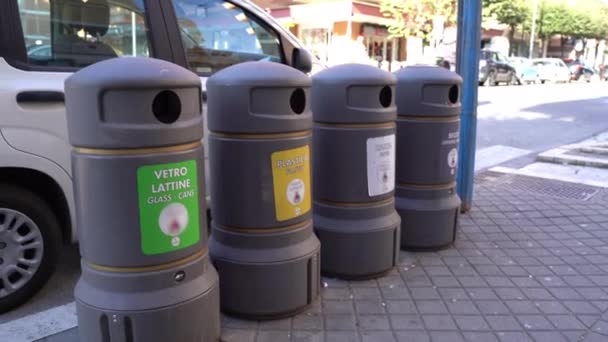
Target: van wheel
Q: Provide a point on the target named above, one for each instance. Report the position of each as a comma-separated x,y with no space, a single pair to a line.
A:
30,243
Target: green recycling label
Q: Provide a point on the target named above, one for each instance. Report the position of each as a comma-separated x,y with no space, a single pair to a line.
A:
168,207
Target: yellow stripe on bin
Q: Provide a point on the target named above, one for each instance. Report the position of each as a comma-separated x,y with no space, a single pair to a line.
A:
298,134
358,204
427,186
133,151
357,125
428,118
154,268
266,230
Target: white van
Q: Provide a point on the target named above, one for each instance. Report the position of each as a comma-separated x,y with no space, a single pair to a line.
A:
41,43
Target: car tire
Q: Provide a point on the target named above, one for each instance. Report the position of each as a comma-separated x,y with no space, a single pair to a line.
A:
23,214
490,80
513,79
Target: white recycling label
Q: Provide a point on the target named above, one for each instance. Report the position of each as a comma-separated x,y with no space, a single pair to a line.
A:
380,165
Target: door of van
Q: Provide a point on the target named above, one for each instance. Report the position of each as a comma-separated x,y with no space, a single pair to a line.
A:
50,40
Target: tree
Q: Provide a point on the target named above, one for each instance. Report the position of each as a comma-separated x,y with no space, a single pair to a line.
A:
513,13
415,17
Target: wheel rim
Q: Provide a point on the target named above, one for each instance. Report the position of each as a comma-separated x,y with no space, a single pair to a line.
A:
21,250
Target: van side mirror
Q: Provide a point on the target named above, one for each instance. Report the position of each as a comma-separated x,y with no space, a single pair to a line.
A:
301,60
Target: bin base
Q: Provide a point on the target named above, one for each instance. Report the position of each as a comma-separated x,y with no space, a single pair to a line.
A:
155,308
266,275
358,242
427,223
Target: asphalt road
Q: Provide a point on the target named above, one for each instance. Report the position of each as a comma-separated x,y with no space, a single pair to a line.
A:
541,117
533,118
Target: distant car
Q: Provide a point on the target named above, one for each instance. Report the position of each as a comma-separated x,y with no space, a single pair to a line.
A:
552,70
525,71
579,70
494,68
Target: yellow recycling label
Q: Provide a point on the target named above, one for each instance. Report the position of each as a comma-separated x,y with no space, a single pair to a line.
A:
291,181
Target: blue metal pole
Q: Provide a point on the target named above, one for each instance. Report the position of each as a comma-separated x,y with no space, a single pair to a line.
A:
467,65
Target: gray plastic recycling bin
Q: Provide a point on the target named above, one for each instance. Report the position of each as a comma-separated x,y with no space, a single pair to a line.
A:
354,170
428,108
262,240
135,125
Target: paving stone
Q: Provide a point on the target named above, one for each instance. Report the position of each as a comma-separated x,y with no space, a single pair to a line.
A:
390,293
537,294
377,336
230,322
534,322
236,335
401,307
450,294
444,281
340,322
374,322
470,336
463,307
482,293
338,307
594,337
522,307
492,307
431,307
370,307
308,322
566,322
552,307
336,293
425,293
574,336
580,307
407,322
341,336
564,293
439,322
514,337
413,336
273,336
509,293
367,293
588,320
471,323
307,336
547,336
280,324
600,327
445,336
503,323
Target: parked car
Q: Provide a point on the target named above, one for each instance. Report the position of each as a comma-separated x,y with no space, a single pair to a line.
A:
552,70
525,71
494,68
44,42
579,71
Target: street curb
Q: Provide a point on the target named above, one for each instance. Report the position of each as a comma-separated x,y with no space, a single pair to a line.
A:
560,156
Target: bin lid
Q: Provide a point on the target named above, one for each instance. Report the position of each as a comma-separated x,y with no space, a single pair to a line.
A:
354,93
132,102
428,91
259,98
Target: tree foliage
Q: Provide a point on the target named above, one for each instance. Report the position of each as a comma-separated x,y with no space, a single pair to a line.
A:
579,18
509,12
415,17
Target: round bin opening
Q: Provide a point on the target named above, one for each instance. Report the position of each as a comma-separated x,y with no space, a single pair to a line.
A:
386,96
297,101
453,94
167,107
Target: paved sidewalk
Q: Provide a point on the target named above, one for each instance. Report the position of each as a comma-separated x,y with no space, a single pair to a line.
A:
525,267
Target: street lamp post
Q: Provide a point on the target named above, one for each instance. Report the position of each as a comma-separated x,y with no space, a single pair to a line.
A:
534,15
